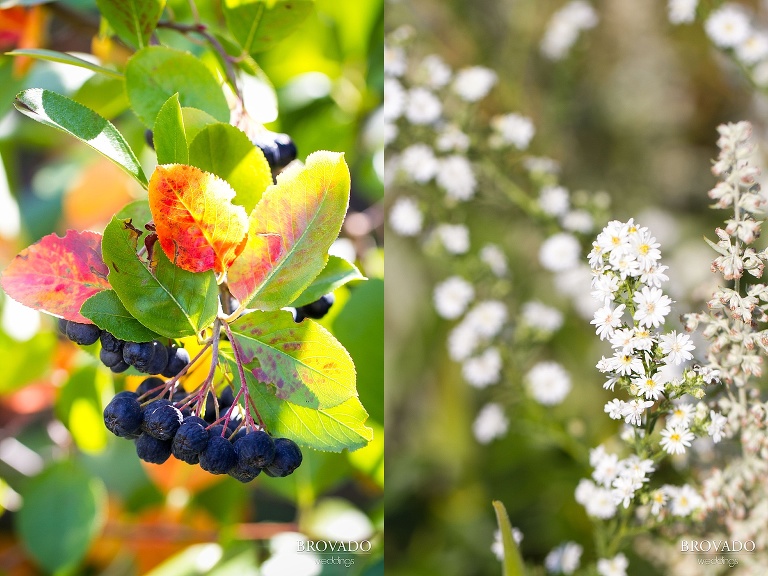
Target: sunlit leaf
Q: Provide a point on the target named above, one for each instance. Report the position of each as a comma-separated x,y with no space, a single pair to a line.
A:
512,563
56,275
260,24
168,134
336,273
290,231
132,20
303,363
108,313
198,227
64,58
80,408
83,123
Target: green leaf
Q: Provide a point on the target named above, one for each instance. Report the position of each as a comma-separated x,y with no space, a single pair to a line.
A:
168,133
327,429
104,95
513,563
79,407
108,313
64,58
260,24
336,273
227,152
83,123
132,20
156,73
194,121
172,301
290,231
25,362
64,509
303,362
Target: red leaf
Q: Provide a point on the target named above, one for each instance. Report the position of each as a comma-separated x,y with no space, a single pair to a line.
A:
56,275
198,227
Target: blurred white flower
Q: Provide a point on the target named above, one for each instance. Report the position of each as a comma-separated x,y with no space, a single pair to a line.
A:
495,258
462,342
564,559
456,177
548,383
716,427
419,163
490,423
394,99
482,370
18,321
554,200
728,26
487,318
684,500
565,26
454,237
512,129
578,221
435,71
682,11
616,566
422,107
394,60
541,316
405,217
498,546
452,296
451,138
473,84
560,252
754,49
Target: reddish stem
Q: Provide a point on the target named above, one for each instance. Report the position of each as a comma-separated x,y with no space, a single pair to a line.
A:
241,373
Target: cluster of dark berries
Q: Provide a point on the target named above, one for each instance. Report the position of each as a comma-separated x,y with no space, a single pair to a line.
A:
160,430
314,310
117,355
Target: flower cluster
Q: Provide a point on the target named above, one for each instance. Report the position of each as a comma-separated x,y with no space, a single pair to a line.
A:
565,26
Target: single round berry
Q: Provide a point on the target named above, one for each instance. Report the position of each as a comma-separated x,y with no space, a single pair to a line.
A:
227,397
298,314
255,450
242,474
152,450
320,307
177,359
219,455
119,367
83,334
163,421
110,359
237,435
191,438
279,149
159,361
62,326
149,138
148,384
110,343
123,415
287,458
210,409
140,355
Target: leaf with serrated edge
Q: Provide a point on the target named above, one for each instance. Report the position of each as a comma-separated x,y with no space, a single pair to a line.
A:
304,362
169,137
132,20
172,301
83,123
108,313
327,429
336,273
258,24
197,225
56,275
290,231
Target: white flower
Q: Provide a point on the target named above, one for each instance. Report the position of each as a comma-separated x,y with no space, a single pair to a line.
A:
685,500
548,383
541,165
436,72
650,386
634,410
606,319
564,559
584,491
456,177
560,252
716,426
652,307
390,132
578,221
454,237
422,107
615,409
564,28
682,11
419,163
473,84
394,99
462,342
452,138
452,296
494,257
616,566
676,439
541,316
604,286
405,218
606,469
491,423
681,415
601,505
624,489
394,60
514,129
658,500
483,370
487,318
498,546
753,49
676,347
728,26
554,200
625,364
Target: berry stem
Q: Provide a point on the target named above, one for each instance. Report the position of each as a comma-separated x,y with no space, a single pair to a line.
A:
241,373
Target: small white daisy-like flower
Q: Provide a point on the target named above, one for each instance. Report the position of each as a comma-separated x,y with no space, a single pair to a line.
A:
490,423
419,163
394,99
681,415
554,200
650,386
560,252
607,319
452,296
435,71
548,383
615,409
487,317
462,342
564,559
604,286
634,410
658,500
454,237
606,469
495,258
405,217
676,347
456,177
473,84
681,11
728,26
652,307
754,49
624,489
616,566
541,316
512,129
483,370
422,107
685,500
623,339
601,505
676,439
716,426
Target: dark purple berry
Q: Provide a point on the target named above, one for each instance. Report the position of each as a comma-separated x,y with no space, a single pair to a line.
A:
62,326
141,355
298,314
177,359
191,439
227,397
242,474
110,343
150,384
219,455
163,421
255,450
159,360
119,367
287,458
83,334
152,450
320,307
123,415
110,359
278,149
